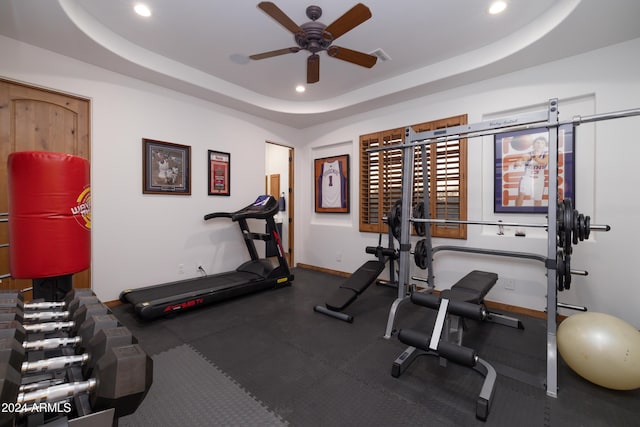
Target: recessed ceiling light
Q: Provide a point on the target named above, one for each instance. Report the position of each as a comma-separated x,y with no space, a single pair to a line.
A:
497,7
300,88
142,10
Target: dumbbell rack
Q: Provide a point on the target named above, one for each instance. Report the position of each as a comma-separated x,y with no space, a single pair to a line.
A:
548,118
52,373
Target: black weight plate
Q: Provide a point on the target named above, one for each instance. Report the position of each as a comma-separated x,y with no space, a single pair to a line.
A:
576,227
567,271
560,267
587,226
568,225
581,227
420,254
395,218
560,224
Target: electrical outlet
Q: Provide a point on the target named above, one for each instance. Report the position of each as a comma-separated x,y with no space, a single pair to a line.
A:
180,268
339,256
510,284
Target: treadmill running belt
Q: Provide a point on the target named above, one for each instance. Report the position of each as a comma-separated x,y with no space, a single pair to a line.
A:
201,284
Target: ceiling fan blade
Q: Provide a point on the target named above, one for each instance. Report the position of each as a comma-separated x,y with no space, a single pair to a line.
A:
272,53
351,19
313,69
353,56
274,11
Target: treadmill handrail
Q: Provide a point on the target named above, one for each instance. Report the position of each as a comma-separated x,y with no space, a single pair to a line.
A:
218,215
264,207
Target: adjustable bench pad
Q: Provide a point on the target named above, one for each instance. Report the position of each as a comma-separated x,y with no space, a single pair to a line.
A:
471,288
355,285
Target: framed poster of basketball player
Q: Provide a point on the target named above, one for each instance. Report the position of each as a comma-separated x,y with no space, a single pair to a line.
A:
166,168
522,172
219,173
331,179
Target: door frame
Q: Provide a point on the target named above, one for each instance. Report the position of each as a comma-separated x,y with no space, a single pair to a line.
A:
290,202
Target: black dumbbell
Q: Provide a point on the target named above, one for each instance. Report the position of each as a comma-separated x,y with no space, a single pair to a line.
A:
100,343
89,329
93,323
15,309
71,301
16,330
20,331
86,307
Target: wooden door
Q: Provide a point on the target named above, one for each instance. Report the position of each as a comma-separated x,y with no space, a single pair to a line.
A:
274,185
39,120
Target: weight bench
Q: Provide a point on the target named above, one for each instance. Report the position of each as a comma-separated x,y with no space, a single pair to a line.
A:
356,284
473,288
465,299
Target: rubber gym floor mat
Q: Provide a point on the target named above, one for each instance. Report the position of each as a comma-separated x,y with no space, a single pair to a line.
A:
305,388
154,337
312,370
188,390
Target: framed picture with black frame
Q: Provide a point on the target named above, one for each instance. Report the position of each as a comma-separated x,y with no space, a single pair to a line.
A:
521,169
166,168
331,183
219,165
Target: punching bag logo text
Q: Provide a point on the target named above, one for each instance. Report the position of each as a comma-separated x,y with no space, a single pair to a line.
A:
82,211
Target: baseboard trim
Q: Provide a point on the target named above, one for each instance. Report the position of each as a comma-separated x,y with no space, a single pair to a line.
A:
113,303
323,270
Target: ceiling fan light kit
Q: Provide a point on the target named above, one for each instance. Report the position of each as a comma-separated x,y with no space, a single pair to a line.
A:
315,37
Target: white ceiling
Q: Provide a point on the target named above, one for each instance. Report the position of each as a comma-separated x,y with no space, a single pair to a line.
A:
200,47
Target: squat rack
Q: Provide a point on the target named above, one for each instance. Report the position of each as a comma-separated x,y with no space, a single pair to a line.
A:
548,118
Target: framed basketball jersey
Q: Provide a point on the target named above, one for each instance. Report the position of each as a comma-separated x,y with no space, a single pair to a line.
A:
332,184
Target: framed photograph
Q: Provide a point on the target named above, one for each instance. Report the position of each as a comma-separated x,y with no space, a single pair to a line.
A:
166,168
522,173
331,182
219,173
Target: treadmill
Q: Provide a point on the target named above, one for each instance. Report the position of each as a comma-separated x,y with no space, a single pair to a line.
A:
255,275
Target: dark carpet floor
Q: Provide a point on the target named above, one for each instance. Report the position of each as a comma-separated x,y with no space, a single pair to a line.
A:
312,370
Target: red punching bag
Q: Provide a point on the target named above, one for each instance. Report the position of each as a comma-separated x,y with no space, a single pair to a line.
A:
49,214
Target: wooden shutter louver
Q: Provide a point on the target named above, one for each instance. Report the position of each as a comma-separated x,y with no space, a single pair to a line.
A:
369,183
392,170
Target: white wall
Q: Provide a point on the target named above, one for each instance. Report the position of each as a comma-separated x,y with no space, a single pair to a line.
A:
141,239
602,81
137,239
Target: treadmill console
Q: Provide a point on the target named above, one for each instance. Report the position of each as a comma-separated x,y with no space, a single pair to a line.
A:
265,206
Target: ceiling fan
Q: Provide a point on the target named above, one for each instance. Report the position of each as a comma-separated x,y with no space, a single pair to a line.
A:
315,37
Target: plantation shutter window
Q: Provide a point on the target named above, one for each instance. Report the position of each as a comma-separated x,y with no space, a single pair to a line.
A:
381,178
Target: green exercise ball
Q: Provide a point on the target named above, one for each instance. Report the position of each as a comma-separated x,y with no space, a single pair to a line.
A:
602,349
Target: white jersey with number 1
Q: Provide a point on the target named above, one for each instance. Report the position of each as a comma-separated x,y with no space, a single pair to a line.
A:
332,185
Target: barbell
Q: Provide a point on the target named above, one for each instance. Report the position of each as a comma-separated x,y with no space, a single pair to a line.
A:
572,226
562,263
